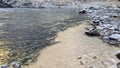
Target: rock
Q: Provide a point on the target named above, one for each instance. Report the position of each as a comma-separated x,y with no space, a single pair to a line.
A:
15,64
96,22
79,58
113,42
118,65
82,12
4,5
92,32
118,55
107,25
4,66
115,37
112,39
93,8
106,39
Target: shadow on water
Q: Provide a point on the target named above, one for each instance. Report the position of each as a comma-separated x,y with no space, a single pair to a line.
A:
32,30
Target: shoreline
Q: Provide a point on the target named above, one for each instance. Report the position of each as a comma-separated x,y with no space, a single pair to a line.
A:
73,51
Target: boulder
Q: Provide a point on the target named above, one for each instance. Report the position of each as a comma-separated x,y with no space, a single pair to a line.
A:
92,32
118,55
115,37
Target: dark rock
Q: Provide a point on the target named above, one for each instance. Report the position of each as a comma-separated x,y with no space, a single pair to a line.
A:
4,5
93,8
82,12
118,55
41,7
96,22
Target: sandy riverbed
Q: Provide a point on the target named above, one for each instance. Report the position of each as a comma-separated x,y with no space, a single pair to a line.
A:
76,50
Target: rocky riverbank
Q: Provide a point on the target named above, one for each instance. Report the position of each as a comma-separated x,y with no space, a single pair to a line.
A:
91,52
105,21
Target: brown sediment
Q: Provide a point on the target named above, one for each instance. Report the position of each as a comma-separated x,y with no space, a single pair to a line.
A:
76,50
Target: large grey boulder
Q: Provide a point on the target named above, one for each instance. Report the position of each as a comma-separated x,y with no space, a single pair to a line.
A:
115,37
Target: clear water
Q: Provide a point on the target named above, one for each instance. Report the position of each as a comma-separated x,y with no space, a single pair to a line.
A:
29,30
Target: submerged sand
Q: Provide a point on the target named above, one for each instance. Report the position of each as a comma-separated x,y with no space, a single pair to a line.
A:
76,50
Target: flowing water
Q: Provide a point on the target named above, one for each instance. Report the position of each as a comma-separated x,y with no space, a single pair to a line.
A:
23,32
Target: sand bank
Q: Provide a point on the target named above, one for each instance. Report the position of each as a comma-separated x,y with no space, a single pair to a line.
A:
76,50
